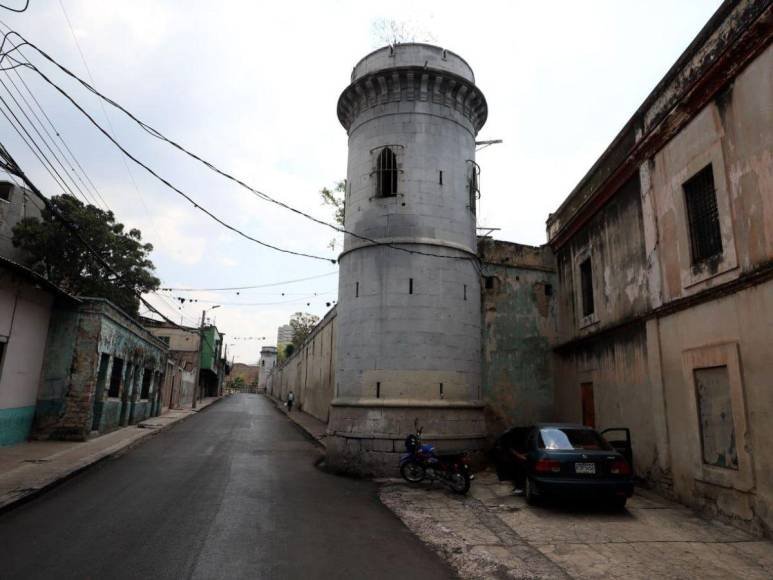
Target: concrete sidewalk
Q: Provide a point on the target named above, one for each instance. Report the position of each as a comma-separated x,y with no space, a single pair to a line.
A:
308,423
30,468
490,533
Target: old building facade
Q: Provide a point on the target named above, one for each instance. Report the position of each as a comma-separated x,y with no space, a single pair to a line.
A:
102,370
665,259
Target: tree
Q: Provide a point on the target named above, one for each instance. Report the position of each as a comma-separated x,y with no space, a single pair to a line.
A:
387,31
285,351
302,325
60,256
336,199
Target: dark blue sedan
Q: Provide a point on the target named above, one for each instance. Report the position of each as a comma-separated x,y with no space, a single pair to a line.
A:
563,460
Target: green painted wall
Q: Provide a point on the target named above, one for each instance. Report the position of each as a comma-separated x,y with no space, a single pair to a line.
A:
15,425
519,331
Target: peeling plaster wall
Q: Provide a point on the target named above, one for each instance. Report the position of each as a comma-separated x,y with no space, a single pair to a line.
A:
310,371
519,330
736,332
663,325
734,328
68,398
616,365
614,241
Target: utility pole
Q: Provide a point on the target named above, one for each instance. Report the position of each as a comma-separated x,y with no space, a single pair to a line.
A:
197,386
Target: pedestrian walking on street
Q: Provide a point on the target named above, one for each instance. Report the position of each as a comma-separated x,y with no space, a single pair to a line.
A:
290,401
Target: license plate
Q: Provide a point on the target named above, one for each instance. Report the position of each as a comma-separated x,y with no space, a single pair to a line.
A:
585,468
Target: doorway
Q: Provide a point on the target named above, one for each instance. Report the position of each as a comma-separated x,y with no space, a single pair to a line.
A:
588,406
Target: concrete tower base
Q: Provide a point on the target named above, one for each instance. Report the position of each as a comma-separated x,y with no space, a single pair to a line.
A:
366,437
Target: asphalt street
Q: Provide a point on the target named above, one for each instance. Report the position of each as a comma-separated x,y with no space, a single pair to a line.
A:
230,493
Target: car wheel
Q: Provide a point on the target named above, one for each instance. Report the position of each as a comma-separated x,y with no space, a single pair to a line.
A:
531,495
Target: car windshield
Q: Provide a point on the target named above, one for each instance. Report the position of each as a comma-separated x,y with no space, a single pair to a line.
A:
566,439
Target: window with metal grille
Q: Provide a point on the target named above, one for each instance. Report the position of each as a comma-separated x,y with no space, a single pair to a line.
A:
703,216
586,287
386,173
473,184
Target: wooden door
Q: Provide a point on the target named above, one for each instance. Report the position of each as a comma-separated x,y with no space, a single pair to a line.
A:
588,407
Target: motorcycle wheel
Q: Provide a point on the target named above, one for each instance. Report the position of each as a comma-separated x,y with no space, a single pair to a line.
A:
412,472
460,483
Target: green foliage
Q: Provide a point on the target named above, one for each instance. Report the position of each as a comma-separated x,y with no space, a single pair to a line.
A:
302,324
284,352
61,257
336,198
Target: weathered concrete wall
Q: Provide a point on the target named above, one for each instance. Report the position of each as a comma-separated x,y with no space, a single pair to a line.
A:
310,371
717,314
83,346
21,204
25,311
679,350
733,332
519,331
613,363
615,366
613,240
732,134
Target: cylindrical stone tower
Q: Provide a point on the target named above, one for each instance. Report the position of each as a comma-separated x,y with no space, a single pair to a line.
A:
409,318
266,365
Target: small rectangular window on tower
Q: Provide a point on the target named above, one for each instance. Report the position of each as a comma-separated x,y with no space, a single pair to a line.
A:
356,289
586,287
441,177
465,291
410,285
703,216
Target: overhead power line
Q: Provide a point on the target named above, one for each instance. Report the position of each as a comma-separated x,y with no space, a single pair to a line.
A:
19,10
171,186
104,112
250,287
155,133
8,163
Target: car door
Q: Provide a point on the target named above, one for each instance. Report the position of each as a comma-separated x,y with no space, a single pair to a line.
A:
620,439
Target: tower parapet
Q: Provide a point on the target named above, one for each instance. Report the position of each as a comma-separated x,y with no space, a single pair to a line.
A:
408,339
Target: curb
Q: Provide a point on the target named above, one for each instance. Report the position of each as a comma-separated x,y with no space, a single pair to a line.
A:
110,453
306,433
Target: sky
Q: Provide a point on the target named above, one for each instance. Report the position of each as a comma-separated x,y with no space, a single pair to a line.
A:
252,87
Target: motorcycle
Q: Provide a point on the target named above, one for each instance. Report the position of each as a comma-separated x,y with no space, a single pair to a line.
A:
421,461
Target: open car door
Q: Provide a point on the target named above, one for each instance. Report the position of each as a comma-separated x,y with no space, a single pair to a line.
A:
620,439
504,461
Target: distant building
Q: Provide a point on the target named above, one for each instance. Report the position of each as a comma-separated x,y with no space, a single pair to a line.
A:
284,335
182,366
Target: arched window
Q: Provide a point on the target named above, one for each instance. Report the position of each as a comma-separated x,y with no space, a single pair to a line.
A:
386,173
